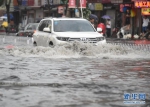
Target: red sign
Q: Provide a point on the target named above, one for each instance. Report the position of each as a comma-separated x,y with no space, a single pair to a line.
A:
140,4
72,3
83,2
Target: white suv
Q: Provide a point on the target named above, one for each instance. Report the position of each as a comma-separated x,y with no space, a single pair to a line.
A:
59,31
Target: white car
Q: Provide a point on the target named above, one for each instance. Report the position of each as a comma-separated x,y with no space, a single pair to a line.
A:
60,31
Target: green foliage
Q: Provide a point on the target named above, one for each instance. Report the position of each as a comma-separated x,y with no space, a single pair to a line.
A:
64,1
1,2
86,13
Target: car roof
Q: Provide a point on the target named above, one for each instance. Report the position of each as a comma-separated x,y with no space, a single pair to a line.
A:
64,18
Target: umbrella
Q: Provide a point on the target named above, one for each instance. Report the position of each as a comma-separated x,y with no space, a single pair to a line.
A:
3,17
10,15
93,16
106,17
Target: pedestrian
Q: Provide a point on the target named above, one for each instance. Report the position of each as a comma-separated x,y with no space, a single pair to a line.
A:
93,19
127,21
5,25
108,27
147,34
145,24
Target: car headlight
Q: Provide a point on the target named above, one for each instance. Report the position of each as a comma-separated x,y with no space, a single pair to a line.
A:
63,38
100,38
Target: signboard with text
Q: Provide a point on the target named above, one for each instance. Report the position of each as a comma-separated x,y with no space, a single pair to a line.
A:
72,4
95,6
82,4
145,11
142,4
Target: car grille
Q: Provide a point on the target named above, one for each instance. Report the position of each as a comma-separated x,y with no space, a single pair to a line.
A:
85,40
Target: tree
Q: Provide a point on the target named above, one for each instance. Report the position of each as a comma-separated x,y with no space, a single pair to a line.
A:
49,8
7,4
86,13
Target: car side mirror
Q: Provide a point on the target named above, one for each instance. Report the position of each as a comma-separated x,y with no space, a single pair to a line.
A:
46,29
99,29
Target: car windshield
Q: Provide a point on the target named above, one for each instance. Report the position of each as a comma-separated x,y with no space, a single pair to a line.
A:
73,26
32,26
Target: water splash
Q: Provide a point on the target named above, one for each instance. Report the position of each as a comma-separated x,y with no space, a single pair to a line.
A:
79,49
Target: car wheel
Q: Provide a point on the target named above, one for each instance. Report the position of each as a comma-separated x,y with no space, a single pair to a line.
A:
51,44
34,43
121,35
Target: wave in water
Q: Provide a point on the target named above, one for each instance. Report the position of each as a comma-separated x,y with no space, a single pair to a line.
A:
79,49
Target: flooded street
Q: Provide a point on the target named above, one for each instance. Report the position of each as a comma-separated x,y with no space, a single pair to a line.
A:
75,75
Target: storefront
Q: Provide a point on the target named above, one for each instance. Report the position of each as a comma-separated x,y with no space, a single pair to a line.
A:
143,9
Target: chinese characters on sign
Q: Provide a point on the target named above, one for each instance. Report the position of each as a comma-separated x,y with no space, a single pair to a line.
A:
134,98
140,4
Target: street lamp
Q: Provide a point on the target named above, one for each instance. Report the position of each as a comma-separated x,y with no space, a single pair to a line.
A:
7,4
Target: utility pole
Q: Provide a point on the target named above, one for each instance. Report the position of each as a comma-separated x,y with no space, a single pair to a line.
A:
49,9
7,4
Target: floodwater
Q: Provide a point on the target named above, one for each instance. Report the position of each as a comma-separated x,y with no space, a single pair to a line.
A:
75,75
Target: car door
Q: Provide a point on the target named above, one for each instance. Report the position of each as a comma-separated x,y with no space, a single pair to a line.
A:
39,33
47,34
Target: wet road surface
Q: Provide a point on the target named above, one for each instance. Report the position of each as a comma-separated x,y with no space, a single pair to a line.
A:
78,75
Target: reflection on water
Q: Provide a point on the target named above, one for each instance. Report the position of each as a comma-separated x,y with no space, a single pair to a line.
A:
75,75
72,82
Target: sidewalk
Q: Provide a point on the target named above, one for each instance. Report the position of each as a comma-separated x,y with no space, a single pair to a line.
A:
10,34
136,41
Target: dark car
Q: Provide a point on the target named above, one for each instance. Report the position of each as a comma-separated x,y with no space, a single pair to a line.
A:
28,30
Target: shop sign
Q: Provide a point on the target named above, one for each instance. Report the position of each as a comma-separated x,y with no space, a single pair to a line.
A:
107,7
82,4
95,6
145,11
72,3
141,4
124,5
98,6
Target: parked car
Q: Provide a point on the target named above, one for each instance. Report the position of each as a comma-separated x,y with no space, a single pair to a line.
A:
28,30
59,31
